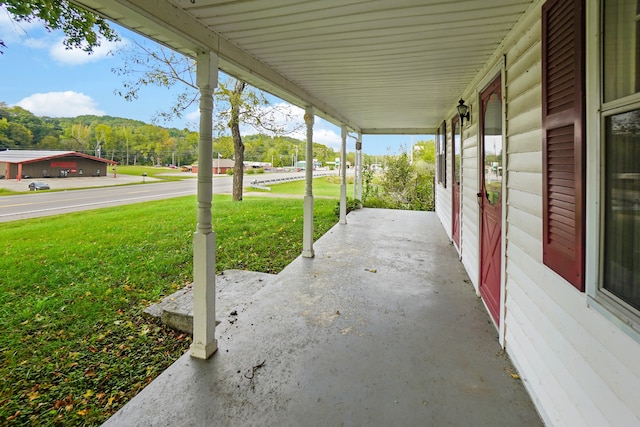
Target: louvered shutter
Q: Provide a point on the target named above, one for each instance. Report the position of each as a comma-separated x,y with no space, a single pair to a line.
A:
563,138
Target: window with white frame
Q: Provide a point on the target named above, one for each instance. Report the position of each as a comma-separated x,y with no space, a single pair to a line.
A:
620,154
613,161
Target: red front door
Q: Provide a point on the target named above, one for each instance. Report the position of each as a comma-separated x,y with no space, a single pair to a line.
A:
490,196
455,187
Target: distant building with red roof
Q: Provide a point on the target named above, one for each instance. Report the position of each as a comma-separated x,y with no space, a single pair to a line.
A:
18,164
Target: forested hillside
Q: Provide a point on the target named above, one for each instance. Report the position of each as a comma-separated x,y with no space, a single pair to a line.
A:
134,142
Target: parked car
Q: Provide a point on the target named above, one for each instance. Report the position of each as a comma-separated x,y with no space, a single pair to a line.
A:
38,185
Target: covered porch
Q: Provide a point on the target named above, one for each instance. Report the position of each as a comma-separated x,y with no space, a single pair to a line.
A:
381,327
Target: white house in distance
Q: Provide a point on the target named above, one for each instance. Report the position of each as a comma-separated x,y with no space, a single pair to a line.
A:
538,171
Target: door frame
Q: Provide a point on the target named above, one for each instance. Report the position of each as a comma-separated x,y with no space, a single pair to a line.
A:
498,70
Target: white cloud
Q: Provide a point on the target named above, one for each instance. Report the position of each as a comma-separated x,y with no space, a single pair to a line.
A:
33,35
14,32
328,138
60,104
62,55
192,116
322,133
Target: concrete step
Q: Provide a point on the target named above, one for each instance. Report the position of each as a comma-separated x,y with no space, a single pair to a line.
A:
234,289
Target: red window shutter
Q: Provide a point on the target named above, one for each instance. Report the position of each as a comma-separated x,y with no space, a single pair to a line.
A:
563,138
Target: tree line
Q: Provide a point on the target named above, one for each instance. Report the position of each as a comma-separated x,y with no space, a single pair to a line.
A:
133,142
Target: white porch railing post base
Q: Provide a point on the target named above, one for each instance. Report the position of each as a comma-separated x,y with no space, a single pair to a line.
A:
203,352
343,204
307,235
204,294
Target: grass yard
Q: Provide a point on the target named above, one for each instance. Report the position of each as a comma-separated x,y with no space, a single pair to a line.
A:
328,186
165,174
75,345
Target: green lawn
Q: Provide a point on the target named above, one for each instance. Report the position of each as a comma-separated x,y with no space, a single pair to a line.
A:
328,186
75,346
162,173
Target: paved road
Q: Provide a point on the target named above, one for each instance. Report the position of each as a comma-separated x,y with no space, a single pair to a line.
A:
44,203
38,204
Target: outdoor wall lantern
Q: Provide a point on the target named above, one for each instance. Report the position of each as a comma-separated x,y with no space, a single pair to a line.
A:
463,111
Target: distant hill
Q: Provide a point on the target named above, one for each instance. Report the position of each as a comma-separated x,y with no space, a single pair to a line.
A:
130,141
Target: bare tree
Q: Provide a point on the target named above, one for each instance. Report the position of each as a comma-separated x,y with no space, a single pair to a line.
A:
236,103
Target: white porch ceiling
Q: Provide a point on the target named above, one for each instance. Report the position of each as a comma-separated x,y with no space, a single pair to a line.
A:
379,66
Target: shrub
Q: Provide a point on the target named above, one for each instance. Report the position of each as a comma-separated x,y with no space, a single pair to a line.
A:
352,204
402,185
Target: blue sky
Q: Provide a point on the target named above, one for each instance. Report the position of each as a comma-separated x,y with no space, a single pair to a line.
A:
40,75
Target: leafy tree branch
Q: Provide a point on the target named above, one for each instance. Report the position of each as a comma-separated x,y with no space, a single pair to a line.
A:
83,29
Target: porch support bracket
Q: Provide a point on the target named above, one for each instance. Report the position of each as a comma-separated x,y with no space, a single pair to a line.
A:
204,239
307,235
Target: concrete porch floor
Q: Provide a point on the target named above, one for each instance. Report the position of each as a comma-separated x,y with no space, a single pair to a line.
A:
381,328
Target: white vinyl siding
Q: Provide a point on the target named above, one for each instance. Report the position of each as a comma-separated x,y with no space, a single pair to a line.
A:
579,367
576,365
470,238
443,194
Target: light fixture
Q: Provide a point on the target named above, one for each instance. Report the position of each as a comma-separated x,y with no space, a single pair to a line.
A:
463,111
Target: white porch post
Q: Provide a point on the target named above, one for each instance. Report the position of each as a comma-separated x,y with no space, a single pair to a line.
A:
204,239
355,173
359,167
343,177
307,234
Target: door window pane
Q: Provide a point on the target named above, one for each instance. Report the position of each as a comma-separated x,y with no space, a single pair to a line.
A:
492,139
456,151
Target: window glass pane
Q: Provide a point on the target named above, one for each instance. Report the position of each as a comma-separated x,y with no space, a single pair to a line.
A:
621,49
444,152
456,150
492,138
622,207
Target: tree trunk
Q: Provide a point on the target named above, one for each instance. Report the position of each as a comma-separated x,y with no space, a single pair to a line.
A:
238,145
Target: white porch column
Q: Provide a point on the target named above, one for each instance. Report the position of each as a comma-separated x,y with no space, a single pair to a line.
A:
359,168
343,177
355,173
307,233
204,239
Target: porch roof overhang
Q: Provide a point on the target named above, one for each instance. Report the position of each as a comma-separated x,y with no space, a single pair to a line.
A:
376,66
